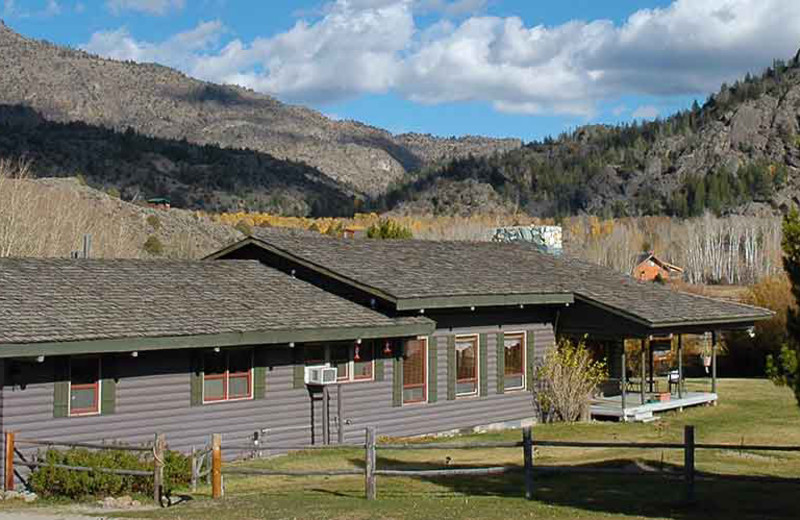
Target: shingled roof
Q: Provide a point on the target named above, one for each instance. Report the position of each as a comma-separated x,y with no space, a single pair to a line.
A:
413,273
235,301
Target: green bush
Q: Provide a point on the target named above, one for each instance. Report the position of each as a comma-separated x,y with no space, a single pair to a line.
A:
153,246
59,482
388,229
154,222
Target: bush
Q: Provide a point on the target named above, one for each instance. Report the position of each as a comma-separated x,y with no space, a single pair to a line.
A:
153,246
244,228
388,229
154,222
59,482
568,377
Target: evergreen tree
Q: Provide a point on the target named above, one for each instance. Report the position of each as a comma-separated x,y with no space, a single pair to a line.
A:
785,371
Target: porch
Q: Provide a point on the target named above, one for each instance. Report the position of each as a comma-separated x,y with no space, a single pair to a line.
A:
634,410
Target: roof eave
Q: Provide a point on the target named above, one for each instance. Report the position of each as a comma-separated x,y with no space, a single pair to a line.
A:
483,300
402,328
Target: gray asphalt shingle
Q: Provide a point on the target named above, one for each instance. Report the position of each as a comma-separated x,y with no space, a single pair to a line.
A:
418,268
49,300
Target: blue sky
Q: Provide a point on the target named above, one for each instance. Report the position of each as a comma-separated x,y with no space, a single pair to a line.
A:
519,68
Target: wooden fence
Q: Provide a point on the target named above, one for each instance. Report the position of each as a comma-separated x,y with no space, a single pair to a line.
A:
527,443
15,457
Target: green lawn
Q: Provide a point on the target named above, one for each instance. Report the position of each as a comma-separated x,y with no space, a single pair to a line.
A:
733,484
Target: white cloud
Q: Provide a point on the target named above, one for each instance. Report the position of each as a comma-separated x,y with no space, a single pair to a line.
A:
156,7
646,112
353,47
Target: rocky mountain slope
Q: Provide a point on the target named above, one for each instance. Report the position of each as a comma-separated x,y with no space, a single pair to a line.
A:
738,153
66,85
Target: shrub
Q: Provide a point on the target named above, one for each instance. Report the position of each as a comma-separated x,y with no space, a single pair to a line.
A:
154,222
153,246
244,228
568,377
388,229
52,482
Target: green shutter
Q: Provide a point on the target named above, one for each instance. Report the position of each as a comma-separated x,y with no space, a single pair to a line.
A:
380,362
108,386
397,380
530,361
260,373
196,378
501,362
299,368
483,367
451,368
61,387
433,367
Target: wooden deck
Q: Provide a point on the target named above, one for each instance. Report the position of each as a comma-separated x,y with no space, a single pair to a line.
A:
635,410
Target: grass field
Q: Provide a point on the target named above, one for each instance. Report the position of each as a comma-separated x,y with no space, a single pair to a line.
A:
733,484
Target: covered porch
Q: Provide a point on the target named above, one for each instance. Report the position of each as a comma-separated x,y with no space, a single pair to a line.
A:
647,361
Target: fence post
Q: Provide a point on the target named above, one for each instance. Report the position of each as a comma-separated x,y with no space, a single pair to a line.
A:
527,451
8,482
194,469
158,467
688,460
369,464
216,466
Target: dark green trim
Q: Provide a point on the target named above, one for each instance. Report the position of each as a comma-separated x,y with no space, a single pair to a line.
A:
433,369
483,366
482,300
108,386
260,374
380,368
298,368
404,328
451,367
530,359
501,363
397,381
196,380
61,389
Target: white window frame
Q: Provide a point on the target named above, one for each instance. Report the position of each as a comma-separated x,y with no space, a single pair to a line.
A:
99,392
478,375
227,369
524,347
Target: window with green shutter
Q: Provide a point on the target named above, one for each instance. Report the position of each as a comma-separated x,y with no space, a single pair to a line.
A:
84,386
500,354
433,368
451,368
530,359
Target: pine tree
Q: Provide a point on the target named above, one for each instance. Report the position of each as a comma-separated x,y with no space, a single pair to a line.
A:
785,371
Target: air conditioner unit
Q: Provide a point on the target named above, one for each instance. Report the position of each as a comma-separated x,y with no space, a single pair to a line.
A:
320,375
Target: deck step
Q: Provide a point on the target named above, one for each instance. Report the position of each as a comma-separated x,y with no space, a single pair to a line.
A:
650,419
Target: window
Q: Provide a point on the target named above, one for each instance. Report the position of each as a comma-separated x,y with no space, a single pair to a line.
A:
467,365
84,386
415,371
352,362
514,362
228,375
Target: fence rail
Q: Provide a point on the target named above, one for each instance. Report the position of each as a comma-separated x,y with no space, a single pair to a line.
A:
371,472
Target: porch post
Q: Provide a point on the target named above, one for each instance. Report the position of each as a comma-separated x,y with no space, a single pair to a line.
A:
714,338
643,343
680,366
623,381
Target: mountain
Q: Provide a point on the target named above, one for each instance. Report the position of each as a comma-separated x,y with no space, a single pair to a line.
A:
65,85
738,153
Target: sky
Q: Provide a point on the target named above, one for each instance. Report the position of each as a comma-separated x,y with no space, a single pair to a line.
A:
505,68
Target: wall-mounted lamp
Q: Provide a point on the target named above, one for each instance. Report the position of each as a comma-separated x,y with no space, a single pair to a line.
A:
387,347
751,331
216,349
40,359
291,344
134,354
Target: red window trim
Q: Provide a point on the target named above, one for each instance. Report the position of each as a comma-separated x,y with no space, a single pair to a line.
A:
522,342
95,409
226,378
476,372
424,384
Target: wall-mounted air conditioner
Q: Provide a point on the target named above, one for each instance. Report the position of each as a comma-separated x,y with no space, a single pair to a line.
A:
320,375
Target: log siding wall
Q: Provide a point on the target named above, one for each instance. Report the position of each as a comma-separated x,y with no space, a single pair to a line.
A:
153,395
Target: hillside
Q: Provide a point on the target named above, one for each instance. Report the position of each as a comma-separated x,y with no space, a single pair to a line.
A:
48,218
66,85
737,154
